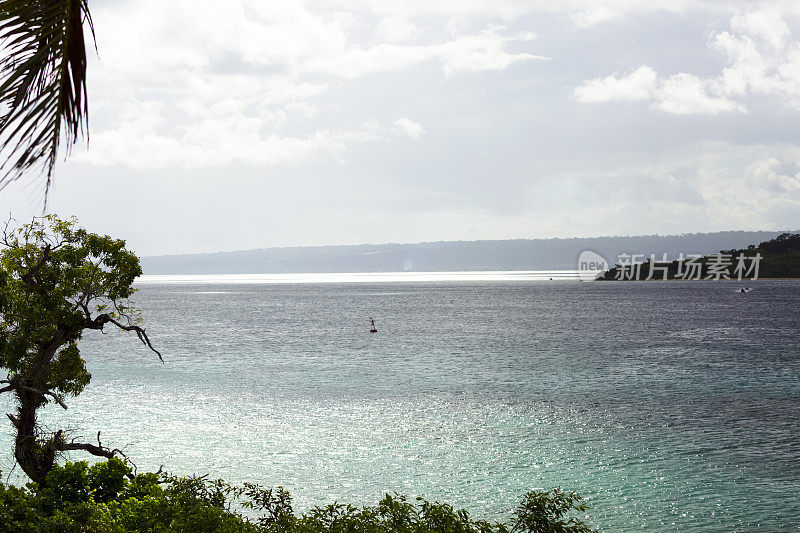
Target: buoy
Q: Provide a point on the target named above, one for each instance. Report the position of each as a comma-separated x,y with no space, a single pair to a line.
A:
372,326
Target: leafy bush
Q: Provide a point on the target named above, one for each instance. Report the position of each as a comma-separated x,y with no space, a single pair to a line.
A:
105,497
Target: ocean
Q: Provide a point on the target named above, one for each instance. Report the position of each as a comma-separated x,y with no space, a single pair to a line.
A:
667,405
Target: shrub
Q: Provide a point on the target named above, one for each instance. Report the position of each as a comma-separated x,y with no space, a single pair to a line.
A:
105,497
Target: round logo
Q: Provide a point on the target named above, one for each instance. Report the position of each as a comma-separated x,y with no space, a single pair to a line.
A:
590,264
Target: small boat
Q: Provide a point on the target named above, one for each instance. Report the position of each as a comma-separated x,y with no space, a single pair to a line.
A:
372,326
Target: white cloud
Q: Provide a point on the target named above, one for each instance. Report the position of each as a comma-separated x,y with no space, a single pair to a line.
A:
409,127
769,173
305,109
483,51
709,185
464,53
255,70
753,194
582,12
681,94
766,23
214,89
637,86
684,94
761,60
394,29
216,141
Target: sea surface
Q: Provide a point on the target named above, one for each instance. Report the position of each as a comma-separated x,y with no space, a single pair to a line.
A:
667,405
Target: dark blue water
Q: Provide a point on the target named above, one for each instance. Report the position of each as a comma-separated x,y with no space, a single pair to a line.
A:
667,405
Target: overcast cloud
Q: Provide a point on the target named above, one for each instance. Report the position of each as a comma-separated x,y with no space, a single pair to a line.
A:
241,124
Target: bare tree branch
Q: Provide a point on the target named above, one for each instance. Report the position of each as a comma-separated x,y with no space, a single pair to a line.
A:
98,450
14,385
101,320
53,395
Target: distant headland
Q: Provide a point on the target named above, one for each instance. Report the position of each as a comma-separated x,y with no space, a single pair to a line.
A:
446,256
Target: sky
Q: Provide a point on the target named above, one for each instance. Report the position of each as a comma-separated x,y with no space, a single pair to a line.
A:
240,124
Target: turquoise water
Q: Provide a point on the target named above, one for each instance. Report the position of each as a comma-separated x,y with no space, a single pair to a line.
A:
667,405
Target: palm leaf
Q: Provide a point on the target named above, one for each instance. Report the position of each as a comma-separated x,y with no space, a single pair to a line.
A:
42,84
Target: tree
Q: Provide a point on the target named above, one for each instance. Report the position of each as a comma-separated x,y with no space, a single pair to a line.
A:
42,83
57,281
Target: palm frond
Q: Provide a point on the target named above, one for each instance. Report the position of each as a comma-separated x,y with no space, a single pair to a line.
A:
42,84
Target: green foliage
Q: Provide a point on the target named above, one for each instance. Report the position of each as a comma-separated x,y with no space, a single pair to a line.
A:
549,511
53,276
101,498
